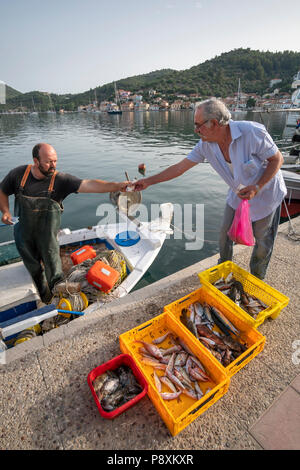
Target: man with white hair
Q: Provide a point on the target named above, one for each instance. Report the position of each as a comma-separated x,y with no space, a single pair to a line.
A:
245,156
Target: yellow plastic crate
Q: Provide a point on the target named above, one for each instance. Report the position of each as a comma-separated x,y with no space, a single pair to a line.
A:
248,335
275,300
178,413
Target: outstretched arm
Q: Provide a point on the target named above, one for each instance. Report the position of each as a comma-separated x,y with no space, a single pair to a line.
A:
170,173
4,208
100,186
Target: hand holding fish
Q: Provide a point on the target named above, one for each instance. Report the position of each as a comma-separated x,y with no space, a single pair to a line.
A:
141,184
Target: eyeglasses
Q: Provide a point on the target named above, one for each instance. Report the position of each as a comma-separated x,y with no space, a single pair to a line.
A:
198,126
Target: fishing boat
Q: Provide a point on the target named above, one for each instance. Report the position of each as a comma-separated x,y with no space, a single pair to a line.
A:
115,108
291,176
138,243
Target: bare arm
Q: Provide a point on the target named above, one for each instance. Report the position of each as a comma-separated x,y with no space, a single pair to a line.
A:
100,186
274,164
170,173
4,208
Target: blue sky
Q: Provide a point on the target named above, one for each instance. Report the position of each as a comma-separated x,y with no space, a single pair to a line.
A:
74,45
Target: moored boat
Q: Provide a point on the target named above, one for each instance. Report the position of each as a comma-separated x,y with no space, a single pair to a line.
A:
136,244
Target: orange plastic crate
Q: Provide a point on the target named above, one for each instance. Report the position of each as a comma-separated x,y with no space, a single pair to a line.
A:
82,254
249,335
102,276
178,413
274,299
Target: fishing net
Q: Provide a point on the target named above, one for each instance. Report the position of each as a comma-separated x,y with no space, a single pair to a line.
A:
75,278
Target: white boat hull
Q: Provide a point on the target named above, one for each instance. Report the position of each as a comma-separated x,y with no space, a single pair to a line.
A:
292,181
17,286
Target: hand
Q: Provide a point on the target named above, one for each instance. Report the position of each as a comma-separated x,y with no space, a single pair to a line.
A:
249,192
6,218
122,186
140,185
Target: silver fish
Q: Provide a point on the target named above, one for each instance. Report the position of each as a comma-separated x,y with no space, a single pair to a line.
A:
198,391
157,381
170,396
190,393
219,282
168,383
184,346
153,362
228,278
161,338
183,378
207,313
192,312
171,362
198,309
171,350
225,321
174,379
109,387
181,359
151,348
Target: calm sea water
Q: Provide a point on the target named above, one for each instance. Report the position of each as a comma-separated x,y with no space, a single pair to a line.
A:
104,146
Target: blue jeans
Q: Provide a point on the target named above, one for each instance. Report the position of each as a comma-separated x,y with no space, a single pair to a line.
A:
264,231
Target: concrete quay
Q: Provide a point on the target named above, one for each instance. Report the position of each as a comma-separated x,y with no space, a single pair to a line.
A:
46,404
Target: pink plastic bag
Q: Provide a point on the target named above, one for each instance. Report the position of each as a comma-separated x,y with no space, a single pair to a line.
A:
241,228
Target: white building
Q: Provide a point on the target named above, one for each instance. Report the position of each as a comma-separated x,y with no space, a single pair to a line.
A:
2,93
296,82
274,80
296,98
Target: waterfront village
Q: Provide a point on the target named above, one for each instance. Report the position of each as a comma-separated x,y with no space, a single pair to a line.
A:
155,101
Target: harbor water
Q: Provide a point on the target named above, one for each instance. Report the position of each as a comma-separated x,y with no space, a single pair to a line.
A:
104,146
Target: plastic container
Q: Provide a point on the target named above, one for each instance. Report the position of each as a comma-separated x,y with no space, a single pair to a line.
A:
275,300
178,413
112,365
248,335
102,276
82,254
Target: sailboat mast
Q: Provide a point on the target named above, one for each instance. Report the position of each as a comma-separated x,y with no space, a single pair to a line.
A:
238,94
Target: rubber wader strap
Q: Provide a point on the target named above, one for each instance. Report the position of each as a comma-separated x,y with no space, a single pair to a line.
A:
51,185
25,176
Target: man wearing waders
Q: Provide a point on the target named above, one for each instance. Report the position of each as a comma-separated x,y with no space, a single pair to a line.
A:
39,191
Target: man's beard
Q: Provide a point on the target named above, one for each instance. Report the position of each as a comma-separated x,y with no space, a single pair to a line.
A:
45,172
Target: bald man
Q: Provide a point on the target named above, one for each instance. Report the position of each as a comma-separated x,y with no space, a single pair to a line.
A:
39,191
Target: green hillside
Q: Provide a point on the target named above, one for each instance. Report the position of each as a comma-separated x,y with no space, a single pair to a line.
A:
216,77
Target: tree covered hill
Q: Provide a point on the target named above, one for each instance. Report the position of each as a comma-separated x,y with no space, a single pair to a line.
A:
216,77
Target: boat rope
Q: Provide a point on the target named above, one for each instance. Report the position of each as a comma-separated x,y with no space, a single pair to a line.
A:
193,237
76,302
292,235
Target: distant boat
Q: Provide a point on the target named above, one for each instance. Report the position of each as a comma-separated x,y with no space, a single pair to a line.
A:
34,112
51,110
237,108
115,107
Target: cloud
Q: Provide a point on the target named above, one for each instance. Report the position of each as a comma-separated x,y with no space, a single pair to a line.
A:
198,5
